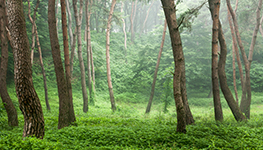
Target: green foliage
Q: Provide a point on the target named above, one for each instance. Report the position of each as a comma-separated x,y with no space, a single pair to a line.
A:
167,96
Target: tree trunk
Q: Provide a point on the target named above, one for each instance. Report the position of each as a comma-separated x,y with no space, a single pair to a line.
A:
145,20
235,53
223,81
81,63
66,59
246,92
214,6
35,33
64,100
113,105
123,29
29,102
33,28
170,15
90,85
69,23
148,109
8,104
72,53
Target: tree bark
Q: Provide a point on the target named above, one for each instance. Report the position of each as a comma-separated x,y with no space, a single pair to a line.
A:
35,33
235,53
29,102
8,104
81,63
33,28
88,42
246,92
113,105
214,6
64,106
66,59
170,15
148,109
223,81
69,23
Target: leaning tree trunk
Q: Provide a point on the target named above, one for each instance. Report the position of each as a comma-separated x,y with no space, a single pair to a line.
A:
66,57
35,33
29,102
148,109
113,105
223,81
170,15
214,6
145,20
64,100
8,104
246,92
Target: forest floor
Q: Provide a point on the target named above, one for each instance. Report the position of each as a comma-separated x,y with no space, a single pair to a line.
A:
130,128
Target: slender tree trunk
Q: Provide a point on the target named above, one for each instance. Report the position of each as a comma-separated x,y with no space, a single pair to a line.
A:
57,2
123,29
29,102
66,58
33,28
170,15
72,53
93,70
69,23
81,63
35,33
8,104
246,100
145,20
214,6
234,49
63,92
88,41
223,81
113,105
260,27
148,109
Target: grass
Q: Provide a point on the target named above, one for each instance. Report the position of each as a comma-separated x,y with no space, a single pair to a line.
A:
130,128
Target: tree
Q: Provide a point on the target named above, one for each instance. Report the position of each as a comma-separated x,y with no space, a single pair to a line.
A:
66,117
214,6
35,34
88,41
8,104
81,63
246,91
148,109
113,106
29,102
170,15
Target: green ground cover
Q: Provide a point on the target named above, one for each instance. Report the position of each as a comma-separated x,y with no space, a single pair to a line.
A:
130,128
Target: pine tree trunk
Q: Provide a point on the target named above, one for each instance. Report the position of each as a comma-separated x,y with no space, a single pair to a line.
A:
35,33
66,59
88,41
170,15
113,105
223,81
246,92
148,109
64,106
145,20
8,104
214,6
29,102
81,63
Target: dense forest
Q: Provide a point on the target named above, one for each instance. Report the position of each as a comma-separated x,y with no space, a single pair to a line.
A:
131,74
